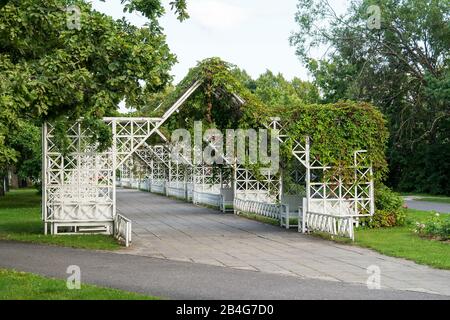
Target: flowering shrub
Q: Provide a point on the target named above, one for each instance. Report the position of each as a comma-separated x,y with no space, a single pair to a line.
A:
387,219
389,209
435,227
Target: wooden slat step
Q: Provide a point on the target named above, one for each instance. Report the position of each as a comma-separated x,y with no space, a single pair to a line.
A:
92,229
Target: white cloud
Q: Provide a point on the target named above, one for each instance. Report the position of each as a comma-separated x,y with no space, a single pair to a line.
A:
215,14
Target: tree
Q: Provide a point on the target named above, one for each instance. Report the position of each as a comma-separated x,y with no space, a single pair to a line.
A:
152,9
276,91
27,143
337,130
58,63
394,54
153,102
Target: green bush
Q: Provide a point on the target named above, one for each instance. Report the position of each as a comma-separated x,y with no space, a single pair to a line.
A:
389,209
386,199
436,227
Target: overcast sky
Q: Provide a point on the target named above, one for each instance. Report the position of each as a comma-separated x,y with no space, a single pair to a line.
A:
253,34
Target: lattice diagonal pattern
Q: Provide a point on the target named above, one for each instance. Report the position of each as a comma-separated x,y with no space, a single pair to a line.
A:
78,187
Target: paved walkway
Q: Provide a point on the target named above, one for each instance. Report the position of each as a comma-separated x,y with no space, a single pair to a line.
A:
181,280
427,206
175,230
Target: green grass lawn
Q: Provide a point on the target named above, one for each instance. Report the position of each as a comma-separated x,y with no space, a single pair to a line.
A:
404,243
27,286
399,242
20,220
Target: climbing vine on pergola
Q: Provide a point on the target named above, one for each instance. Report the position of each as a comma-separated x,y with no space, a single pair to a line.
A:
330,156
337,130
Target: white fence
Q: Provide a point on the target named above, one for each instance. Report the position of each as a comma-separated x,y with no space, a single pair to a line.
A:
122,229
176,192
335,225
144,185
339,225
286,215
184,191
260,208
158,186
190,192
210,199
328,216
134,184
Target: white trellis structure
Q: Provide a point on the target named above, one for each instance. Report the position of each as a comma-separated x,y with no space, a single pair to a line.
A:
79,186
332,206
133,173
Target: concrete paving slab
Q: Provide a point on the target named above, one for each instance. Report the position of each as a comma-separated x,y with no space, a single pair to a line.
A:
180,280
181,231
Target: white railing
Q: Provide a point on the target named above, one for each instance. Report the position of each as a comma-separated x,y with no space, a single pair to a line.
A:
190,192
286,215
122,229
157,186
330,216
135,184
264,209
210,199
125,182
329,219
335,225
176,192
144,185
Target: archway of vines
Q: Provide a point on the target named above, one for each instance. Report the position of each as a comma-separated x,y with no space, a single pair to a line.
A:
330,156
345,141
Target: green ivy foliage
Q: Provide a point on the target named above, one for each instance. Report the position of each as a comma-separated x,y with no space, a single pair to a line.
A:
215,102
337,130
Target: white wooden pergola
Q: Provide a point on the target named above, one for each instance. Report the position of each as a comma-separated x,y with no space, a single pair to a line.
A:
79,187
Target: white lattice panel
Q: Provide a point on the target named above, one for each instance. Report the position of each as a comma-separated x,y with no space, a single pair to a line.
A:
78,186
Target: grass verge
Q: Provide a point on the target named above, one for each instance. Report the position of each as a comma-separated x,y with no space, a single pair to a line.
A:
20,220
402,242
27,286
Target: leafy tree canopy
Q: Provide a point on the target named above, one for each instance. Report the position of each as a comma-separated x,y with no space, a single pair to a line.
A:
276,91
221,101
152,9
394,54
337,130
27,142
51,69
